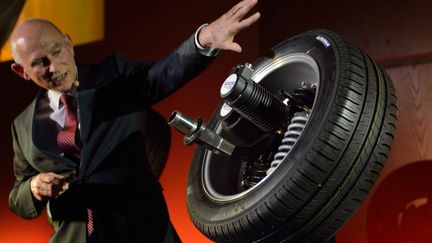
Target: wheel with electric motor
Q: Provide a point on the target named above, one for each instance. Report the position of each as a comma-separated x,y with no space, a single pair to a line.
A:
303,134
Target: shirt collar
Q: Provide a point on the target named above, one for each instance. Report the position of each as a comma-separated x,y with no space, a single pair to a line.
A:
54,97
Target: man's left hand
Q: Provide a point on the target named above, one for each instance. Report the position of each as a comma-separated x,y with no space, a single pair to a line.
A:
220,33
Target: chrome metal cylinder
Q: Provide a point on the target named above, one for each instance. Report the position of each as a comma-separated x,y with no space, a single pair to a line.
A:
196,132
182,123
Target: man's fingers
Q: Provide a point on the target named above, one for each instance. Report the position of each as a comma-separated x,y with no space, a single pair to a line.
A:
50,190
56,190
48,185
239,11
37,192
57,175
232,46
65,186
221,32
249,21
44,179
49,180
50,177
58,181
242,8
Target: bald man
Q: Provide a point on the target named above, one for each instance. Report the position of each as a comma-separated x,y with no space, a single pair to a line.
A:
78,145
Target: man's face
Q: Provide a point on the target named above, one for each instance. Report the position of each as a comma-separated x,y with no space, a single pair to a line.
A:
47,58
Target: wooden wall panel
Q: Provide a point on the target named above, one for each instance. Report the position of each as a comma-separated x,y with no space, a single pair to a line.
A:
392,32
414,135
408,167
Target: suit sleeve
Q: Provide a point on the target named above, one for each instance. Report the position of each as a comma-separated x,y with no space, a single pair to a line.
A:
161,78
21,200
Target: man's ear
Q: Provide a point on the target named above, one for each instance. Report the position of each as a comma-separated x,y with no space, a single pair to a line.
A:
69,43
18,69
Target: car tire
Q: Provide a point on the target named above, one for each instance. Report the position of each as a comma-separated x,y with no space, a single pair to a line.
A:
331,168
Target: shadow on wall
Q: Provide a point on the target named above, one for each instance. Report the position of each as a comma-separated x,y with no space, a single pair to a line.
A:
401,208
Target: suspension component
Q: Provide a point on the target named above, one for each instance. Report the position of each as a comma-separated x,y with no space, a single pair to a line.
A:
195,131
293,132
253,171
302,98
252,101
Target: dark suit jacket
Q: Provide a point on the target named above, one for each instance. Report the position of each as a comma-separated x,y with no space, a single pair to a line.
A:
113,177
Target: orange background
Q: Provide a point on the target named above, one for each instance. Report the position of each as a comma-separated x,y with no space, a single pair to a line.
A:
82,19
396,33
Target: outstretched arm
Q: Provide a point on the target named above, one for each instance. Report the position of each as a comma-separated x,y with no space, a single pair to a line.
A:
167,75
220,33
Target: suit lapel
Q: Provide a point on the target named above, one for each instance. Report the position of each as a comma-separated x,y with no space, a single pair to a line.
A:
31,150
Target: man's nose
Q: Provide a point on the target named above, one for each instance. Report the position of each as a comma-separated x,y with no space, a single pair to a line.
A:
52,67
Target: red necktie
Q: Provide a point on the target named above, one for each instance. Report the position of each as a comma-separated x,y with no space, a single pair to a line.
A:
67,143
66,138
89,221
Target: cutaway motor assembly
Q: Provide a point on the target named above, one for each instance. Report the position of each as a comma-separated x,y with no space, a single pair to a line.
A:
260,127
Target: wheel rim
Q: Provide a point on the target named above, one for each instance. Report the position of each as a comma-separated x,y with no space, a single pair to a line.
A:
287,71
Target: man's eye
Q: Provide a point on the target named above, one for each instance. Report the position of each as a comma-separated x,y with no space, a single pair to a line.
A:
56,52
37,63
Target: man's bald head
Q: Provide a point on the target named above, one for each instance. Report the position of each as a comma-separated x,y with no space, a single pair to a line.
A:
43,54
30,29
